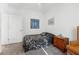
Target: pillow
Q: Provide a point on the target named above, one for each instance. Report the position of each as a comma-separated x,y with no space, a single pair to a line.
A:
43,33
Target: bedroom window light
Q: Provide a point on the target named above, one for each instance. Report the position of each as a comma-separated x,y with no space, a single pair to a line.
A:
34,23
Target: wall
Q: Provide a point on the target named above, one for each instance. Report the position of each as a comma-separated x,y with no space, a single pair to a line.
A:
26,16
36,15
0,23
0,29
66,18
4,24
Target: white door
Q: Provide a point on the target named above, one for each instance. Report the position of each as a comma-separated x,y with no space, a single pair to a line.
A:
15,29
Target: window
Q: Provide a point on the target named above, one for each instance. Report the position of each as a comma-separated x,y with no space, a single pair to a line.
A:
34,23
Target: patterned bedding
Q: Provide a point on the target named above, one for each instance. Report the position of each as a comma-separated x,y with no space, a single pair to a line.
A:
31,42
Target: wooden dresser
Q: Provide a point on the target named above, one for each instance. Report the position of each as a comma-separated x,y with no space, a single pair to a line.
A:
73,47
60,42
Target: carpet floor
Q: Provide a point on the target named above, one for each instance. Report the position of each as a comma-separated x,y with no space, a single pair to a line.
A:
16,49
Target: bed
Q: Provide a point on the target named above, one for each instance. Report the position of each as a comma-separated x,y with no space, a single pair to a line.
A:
32,42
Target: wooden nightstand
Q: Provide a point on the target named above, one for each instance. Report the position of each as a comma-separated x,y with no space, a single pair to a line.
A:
61,42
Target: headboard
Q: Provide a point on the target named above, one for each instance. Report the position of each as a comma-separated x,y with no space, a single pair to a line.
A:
77,32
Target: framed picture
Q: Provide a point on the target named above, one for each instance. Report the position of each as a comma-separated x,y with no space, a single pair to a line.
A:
34,23
51,21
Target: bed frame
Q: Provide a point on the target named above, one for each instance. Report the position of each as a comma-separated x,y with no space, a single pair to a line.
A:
77,32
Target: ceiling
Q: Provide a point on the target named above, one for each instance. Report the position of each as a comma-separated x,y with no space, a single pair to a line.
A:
41,7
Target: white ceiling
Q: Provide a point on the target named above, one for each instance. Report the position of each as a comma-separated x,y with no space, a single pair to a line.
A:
41,7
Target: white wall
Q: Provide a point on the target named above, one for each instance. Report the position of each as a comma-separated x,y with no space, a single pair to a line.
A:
36,15
0,23
66,19
26,16
0,29
4,24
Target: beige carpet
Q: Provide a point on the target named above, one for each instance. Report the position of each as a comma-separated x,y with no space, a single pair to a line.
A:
13,49
16,49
